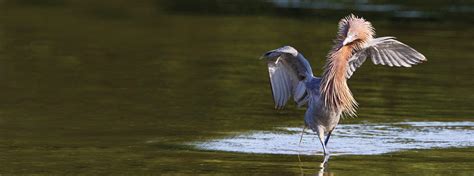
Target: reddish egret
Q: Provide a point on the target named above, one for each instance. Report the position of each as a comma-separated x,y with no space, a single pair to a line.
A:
328,97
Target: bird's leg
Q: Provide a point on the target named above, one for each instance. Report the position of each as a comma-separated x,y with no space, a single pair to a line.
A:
326,152
324,146
327,138
321,137
302,132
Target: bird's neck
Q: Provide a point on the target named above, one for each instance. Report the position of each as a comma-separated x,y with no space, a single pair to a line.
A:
335,93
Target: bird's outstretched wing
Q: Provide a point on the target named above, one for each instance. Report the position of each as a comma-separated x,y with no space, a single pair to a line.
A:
287,70
385,51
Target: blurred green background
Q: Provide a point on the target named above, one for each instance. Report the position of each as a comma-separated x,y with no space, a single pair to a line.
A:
117,87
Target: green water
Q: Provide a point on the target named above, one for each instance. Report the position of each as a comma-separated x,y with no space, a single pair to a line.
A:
117,88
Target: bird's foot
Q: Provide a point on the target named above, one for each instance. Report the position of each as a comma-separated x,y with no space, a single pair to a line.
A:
324,165
326,158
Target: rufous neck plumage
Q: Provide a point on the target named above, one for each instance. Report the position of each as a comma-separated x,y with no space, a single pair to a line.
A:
353,34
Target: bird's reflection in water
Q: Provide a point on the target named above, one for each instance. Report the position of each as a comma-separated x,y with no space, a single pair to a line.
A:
321,168
324,167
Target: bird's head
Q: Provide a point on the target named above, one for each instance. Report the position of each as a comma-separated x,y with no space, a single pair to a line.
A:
355,31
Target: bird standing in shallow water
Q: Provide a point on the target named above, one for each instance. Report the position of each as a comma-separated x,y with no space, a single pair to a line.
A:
328,97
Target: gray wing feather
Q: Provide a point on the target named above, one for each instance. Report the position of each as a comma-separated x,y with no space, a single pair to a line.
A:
279,82
354,64
287,71
385,51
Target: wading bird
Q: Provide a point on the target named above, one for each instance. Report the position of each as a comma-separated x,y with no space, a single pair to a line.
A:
328,97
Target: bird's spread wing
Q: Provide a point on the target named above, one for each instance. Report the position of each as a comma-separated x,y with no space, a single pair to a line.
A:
385,51
287,70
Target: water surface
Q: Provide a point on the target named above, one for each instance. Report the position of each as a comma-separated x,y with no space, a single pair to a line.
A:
350,139
124,88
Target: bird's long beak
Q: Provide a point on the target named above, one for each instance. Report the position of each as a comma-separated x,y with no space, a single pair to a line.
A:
264,56
349,39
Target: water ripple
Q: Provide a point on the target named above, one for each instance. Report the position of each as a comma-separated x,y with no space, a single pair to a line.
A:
350,139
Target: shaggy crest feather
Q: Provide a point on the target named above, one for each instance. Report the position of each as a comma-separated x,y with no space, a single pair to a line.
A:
352,23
